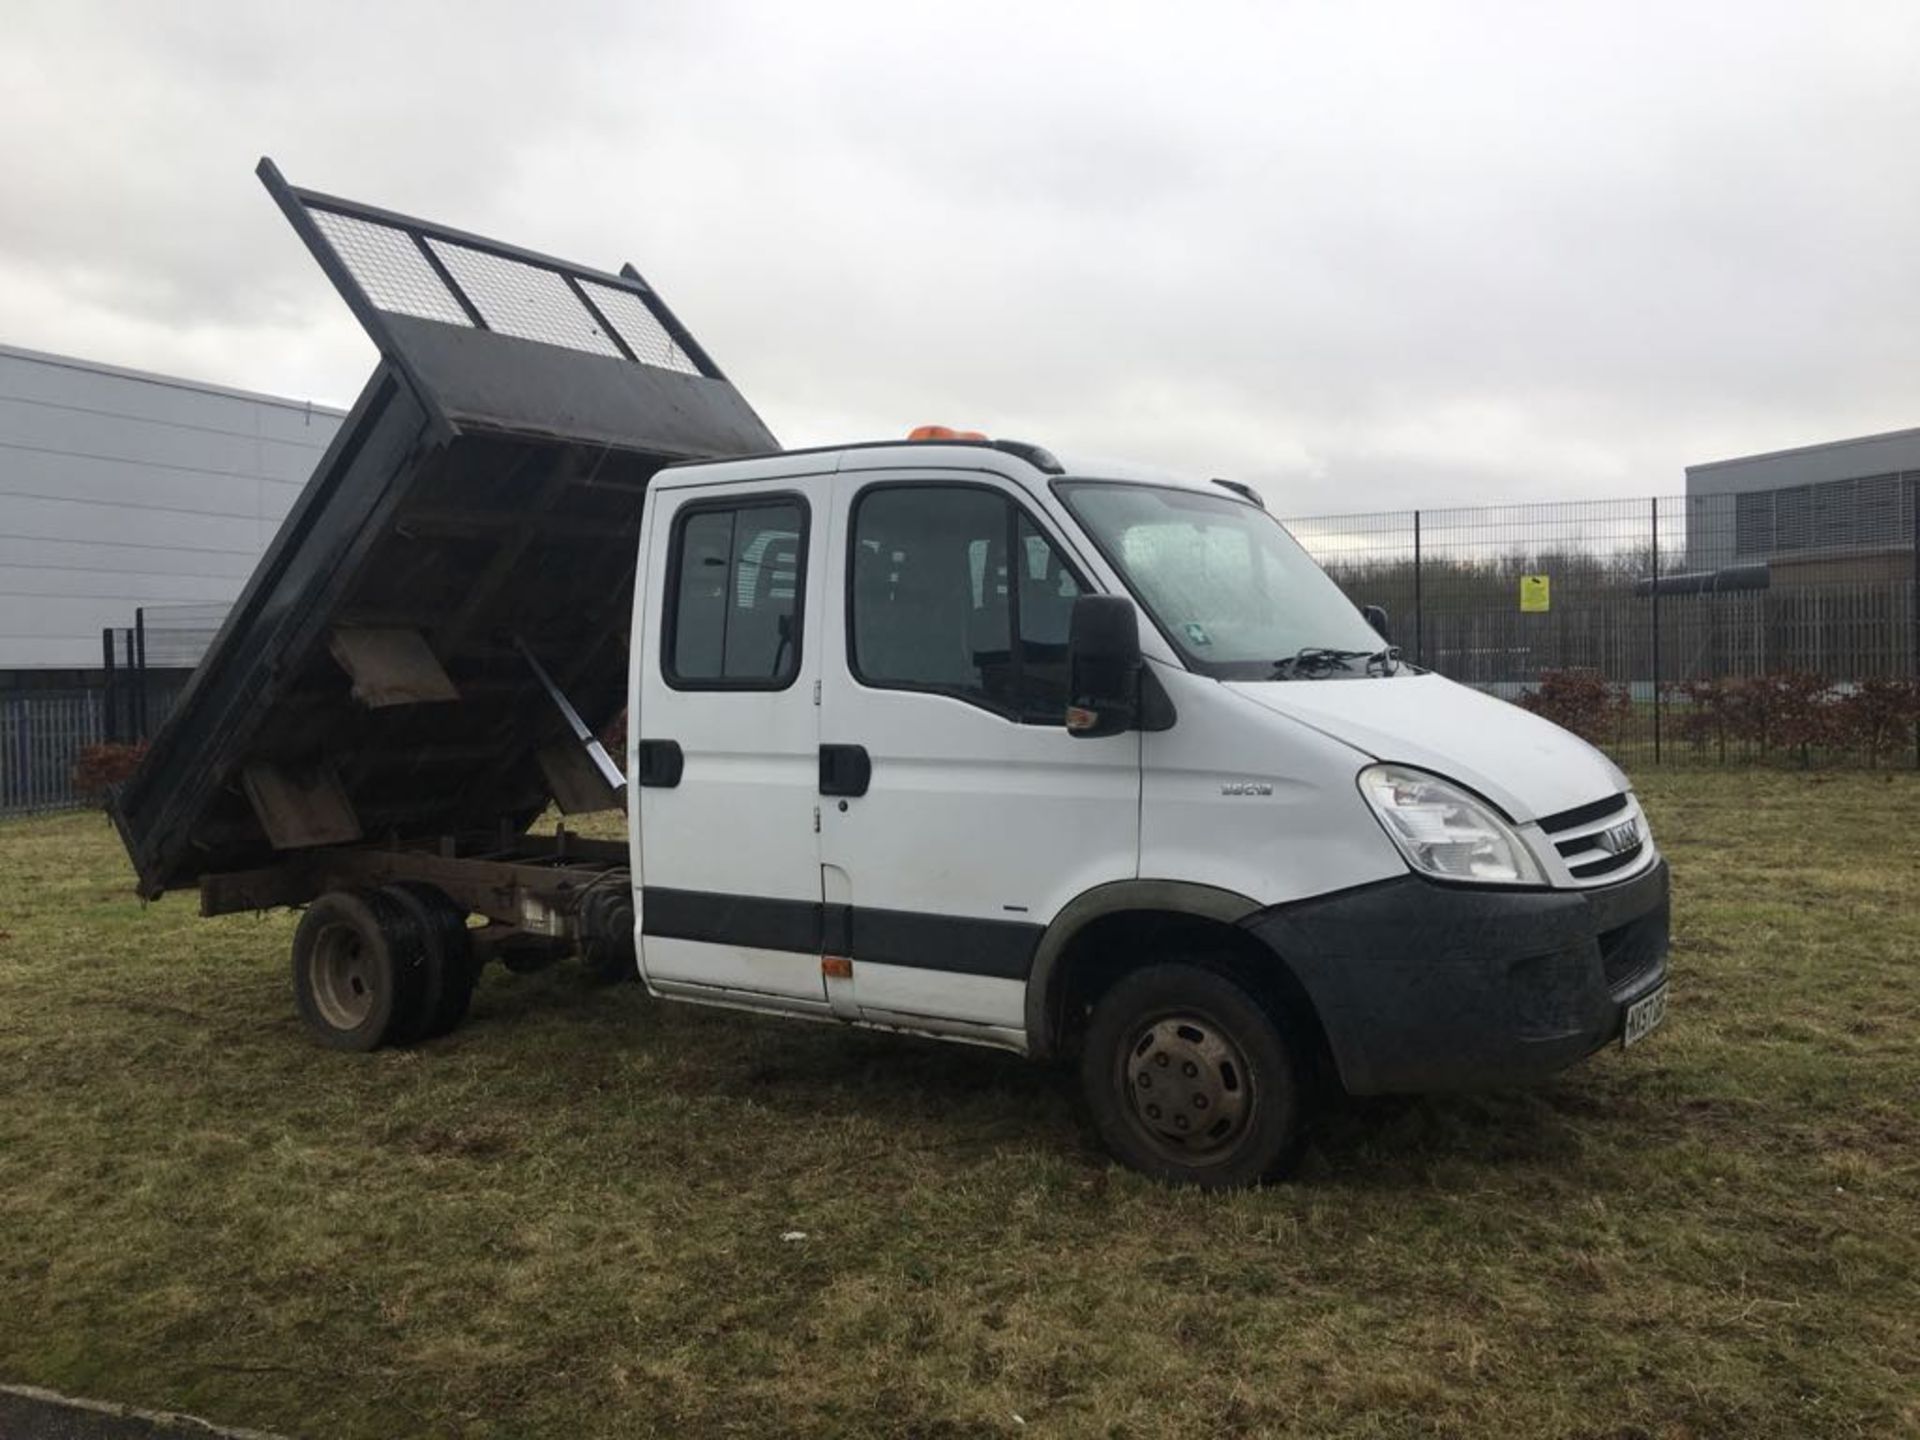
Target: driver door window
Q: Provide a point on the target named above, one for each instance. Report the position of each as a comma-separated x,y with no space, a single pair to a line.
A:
936,606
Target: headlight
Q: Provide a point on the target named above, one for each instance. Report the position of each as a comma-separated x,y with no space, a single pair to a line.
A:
1445,832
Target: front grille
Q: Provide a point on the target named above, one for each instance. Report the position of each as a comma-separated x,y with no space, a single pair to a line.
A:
1599,840
1606,864
1583,814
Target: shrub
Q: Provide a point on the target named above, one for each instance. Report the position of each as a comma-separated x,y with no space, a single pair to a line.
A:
96,767
1579,700
1805,712
1705,718
1752,712
1879,715
614,738
1787,711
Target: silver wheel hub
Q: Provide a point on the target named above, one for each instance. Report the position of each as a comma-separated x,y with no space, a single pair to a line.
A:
1189,1085
343,979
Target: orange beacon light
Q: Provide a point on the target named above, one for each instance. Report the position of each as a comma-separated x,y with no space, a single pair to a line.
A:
942,432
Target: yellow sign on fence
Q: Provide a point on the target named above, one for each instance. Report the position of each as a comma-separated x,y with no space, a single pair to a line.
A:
1533,595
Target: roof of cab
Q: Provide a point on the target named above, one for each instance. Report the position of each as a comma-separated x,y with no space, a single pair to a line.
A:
931,454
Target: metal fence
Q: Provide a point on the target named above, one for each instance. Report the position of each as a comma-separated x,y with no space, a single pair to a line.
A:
174,637
144,668
42,733
1656,596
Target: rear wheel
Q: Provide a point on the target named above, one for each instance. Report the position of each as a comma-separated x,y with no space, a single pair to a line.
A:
1190,1079
357,970
447,972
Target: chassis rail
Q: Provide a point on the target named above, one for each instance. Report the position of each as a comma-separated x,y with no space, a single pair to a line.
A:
526,885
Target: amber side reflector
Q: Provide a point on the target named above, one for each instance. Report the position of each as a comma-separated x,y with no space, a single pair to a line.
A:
836,967
942,432
1081,718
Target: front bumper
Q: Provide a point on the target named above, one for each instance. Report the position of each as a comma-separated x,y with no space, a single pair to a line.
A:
1422,986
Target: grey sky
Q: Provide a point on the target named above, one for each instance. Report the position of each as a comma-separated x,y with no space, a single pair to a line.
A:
1361,254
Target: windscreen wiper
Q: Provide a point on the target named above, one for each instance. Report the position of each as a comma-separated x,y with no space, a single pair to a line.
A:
1315,661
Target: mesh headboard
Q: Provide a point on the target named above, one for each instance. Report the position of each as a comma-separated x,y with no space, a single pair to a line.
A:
455,312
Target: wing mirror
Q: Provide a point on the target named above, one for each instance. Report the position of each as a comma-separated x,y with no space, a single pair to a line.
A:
1103,667
1377,618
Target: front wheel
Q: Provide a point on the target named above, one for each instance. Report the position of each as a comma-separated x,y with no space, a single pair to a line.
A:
1191,1081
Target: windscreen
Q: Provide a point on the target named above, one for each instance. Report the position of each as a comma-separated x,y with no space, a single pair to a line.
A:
1222,579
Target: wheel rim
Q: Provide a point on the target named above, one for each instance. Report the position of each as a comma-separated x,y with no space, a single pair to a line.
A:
1189,1086
343,978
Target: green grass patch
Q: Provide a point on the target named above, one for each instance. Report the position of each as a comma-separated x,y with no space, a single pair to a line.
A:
567,1218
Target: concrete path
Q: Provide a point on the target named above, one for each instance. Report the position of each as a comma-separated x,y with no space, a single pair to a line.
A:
27,1413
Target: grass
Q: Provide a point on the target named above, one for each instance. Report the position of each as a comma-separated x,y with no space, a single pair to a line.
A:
570,1217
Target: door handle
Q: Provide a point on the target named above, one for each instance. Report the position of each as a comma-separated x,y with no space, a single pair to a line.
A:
658,763
845,770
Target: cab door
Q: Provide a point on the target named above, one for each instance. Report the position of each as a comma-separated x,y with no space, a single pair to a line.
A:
959,815
726,757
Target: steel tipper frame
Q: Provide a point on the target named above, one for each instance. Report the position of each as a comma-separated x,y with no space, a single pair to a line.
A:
380,703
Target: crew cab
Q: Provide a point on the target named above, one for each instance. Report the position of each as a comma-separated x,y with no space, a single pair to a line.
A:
956,738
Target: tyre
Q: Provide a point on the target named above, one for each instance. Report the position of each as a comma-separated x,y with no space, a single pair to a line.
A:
606,936
358,970
448,974
1191,1081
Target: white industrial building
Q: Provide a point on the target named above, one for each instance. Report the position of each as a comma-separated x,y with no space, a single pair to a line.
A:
121,490
1840,498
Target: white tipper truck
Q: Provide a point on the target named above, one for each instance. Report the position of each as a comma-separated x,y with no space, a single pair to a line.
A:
948,735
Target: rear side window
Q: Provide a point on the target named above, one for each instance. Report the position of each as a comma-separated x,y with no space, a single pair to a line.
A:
736,575
955,590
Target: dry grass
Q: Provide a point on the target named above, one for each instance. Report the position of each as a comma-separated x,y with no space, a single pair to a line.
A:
567,1218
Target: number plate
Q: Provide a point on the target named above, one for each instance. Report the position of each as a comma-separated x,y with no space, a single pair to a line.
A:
1644,1017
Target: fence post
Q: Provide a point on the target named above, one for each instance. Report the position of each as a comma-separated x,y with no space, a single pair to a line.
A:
106,672
140,645
1913,607
1657,703
23,752
1419,622
133,677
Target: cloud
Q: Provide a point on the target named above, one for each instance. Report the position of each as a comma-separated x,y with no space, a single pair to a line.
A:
1364,256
